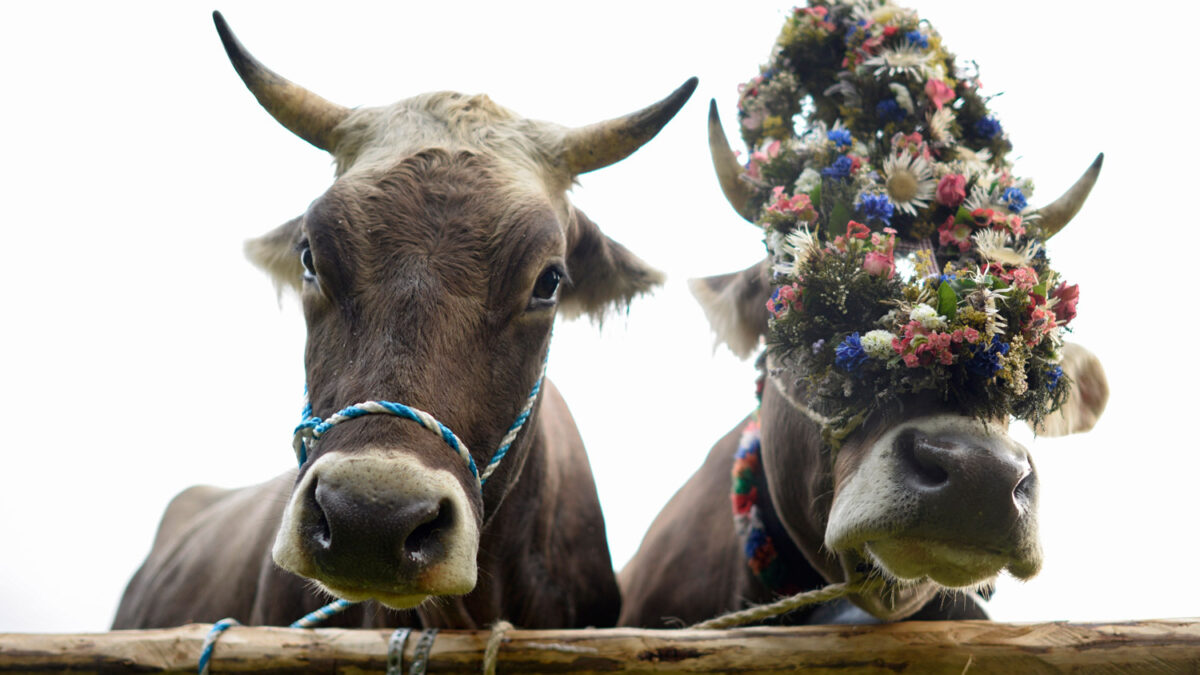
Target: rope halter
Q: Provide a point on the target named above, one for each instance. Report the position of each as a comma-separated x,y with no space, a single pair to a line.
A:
312,428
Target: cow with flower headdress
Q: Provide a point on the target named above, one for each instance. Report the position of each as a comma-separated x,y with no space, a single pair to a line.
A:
909,312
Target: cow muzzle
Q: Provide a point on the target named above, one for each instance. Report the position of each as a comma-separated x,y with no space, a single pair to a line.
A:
380,525
944,498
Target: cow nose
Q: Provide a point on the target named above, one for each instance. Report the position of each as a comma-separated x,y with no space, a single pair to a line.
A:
967,483
377,539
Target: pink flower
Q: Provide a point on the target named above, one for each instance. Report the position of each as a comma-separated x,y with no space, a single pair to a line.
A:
952,189
1041,321
857,230
757,159
1024,278
879,264
1067,297
951,233
784,300
938,92
799,206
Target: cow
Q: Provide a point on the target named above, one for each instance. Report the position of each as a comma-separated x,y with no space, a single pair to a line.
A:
848,471
430,275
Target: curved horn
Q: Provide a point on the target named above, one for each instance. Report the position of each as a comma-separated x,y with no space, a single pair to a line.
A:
729,172
304,113
599,145
1055,215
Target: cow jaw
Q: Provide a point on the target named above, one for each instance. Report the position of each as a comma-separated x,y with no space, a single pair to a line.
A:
943,499
380,525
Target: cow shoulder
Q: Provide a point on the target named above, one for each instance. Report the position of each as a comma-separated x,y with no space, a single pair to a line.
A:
1088,396
736,306
206,558
689,566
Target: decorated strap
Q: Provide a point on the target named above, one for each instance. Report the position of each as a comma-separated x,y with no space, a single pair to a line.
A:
750,500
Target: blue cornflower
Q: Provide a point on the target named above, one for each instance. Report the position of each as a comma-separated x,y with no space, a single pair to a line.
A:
889,111
945,278
840,168
986,360
850,354
988,127
1015,198
915,37
878,207
840,136
1053,374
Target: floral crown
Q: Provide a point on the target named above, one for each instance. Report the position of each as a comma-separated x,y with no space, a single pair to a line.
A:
905,257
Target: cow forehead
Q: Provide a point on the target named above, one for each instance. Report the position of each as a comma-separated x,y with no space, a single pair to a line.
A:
456,216
372,138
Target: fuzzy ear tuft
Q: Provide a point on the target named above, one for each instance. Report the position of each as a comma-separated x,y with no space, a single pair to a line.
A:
736,306
604,274
275,253
1089,394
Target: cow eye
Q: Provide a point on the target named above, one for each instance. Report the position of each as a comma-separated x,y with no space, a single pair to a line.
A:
546,288
306,259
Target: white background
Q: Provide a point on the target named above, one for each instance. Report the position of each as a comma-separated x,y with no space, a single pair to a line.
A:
142,354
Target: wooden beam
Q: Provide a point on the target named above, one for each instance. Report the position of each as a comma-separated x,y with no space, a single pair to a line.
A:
927,647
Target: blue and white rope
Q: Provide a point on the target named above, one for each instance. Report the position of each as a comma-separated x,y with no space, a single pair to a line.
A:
312,428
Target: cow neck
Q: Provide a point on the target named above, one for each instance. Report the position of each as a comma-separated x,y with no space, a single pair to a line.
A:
770,554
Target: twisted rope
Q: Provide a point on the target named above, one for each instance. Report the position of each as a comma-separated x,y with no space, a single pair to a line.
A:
492,651
788,604
210,641
317,616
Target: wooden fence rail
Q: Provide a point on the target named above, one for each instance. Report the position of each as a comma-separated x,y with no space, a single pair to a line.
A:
1167,646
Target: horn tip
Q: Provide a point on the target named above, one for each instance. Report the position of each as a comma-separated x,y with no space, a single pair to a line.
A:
713,116
1099,162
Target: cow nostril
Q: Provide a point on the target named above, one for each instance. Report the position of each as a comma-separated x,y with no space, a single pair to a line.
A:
317,529
920,461
1026,488
424,543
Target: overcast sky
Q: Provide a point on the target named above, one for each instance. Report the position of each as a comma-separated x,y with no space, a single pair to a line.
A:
142,354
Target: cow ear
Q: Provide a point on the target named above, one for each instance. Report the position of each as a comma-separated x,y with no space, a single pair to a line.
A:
736,306
603,274
275,253
1089,394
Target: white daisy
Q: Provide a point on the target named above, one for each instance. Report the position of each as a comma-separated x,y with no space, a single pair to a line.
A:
993,246
903,59
793,250
973,162
909,181
939,125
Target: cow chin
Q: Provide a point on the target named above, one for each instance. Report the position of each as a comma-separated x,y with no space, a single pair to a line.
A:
380,525
939,502
948,565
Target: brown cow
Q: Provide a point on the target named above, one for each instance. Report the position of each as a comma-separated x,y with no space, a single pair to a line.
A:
931,499
430,274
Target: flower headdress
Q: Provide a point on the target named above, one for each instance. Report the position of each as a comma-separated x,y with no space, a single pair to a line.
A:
905,257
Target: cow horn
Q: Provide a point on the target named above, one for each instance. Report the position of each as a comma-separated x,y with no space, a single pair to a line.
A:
729,172
599,145
304,113
1055,215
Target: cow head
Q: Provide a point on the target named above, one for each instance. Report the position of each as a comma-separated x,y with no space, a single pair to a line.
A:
430,274
908,308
